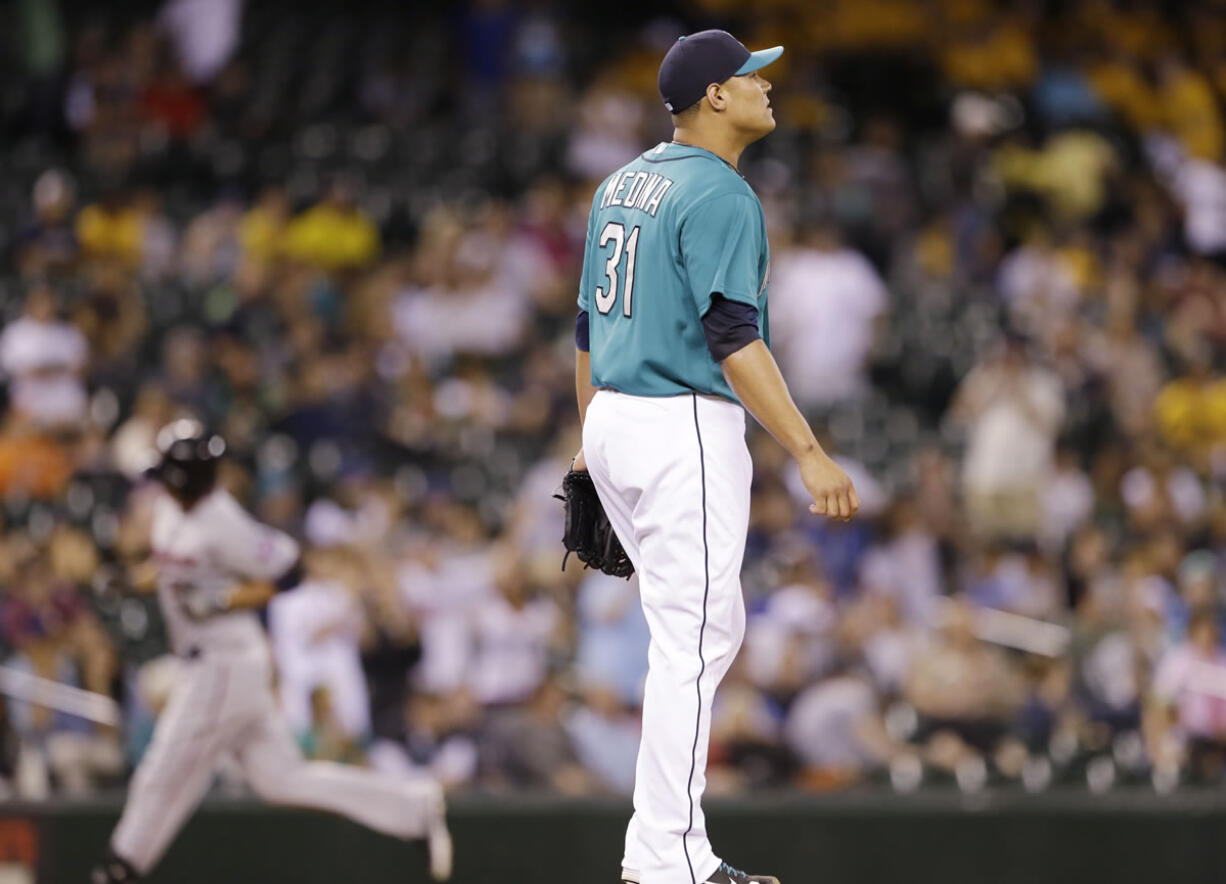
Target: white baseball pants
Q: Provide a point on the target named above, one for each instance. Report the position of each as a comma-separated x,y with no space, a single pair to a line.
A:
224,703
673,474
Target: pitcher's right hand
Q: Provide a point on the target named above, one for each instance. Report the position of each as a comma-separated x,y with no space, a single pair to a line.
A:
834,496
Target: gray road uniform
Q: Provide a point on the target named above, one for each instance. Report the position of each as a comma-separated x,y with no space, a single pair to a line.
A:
223,700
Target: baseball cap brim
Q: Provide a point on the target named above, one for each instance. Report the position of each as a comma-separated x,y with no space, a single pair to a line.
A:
758,60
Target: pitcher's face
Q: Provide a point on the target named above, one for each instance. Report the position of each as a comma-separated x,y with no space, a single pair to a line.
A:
749,109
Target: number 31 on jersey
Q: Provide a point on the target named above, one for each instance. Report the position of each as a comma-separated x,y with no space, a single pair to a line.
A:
615,232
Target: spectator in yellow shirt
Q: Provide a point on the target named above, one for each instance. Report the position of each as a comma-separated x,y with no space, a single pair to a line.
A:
1191,410
1191,110
1070,171
993,56
112,227
335,234
1119,82
262,229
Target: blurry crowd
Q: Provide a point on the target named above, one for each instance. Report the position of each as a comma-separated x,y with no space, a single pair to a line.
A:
350,244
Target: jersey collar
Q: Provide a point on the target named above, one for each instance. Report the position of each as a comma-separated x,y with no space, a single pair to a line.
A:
672,146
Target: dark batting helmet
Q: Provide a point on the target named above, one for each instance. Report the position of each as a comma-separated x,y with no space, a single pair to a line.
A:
189,456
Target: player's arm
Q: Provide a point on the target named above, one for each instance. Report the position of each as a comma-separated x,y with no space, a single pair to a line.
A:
255,553
755,378
251,594
584,391
721,241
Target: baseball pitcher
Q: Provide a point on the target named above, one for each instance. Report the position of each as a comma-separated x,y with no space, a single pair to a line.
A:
671,345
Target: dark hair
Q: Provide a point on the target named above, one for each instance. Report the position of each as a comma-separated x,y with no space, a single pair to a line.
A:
687,113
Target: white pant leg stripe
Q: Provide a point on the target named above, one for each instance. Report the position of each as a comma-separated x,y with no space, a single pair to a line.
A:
706,565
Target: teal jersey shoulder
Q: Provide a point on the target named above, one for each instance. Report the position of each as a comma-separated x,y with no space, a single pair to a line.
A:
665,233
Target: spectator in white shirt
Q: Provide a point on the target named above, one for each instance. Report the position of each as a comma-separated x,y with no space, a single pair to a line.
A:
791,640
475,297
609,131
826,299
1012,410
512,633
1200,185
316,631
1160,491
1067,500
1189,688
905,565
44,359
835,727
443,581
1036,282
205,33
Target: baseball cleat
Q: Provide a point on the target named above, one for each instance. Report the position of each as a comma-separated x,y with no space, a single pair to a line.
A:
113,870
725,874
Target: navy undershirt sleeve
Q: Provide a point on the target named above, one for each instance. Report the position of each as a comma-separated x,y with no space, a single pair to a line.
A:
582,339
729,326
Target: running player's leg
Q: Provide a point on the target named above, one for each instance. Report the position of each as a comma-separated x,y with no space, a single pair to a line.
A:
277,772
688,508
176,770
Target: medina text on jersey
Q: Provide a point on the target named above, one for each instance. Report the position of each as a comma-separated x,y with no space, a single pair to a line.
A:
636,190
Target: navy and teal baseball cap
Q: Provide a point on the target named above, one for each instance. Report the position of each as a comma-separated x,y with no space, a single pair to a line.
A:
696,61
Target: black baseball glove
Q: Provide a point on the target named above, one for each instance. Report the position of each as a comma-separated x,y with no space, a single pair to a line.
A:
588,532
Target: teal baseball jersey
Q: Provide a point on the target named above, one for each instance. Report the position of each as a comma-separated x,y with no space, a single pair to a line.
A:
666,232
